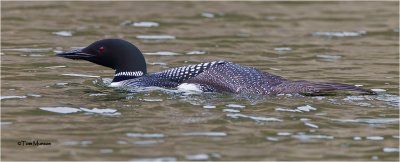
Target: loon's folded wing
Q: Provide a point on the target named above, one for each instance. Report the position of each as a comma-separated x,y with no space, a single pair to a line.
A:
234,78
183,73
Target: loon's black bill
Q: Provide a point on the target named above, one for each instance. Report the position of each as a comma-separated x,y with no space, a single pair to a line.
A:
75,54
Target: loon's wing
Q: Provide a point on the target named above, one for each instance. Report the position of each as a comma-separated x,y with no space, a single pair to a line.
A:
234,78
172,77
181,74
147,81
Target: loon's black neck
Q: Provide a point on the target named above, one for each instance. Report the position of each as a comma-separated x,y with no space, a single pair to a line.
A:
131,64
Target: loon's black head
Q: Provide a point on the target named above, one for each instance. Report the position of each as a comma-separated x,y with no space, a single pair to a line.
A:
117,54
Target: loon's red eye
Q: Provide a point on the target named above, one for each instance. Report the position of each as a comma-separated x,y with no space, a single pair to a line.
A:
101,50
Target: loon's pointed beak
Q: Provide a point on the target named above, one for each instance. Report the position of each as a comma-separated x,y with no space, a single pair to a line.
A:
75,54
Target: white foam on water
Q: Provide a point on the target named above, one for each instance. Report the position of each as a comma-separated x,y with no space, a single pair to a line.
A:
186,87
146,24
311,125
61,110
61,84
196,52
283,134
272,139
305,137
156,63
318,97
12,97
329,56
28,49
274,69
145,135
36,55
163,37
375,138
5,123
147,142
158,159
197,157
370,121
81,75
99,111
392,100
63,33
287,110
209,106
152,99
354,98
231,110
122,142
68,110
304,119
210,134
33,95
283,49
256,118
208,15
161,53
55,67
306,108
339,34
106,151
83,143
378,90
235,106
98,94
391,149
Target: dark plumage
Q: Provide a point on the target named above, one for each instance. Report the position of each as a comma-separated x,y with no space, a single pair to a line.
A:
217,76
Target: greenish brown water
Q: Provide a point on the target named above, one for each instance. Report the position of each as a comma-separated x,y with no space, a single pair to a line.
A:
347,42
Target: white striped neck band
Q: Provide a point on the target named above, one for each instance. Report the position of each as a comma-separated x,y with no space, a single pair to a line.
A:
129,73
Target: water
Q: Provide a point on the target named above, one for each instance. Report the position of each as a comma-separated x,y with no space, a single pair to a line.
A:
346,42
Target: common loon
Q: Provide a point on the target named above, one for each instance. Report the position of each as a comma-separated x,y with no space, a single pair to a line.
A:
217,76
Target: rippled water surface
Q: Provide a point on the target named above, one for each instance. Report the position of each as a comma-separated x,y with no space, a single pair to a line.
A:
67,103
